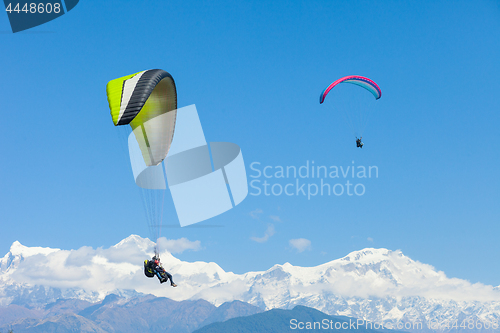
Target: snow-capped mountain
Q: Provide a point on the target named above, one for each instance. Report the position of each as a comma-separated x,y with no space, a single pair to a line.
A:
378,285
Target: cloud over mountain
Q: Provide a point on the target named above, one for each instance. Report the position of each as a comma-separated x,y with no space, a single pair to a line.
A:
374,284
100,271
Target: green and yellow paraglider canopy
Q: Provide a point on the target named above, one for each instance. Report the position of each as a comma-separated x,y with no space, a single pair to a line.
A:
148,102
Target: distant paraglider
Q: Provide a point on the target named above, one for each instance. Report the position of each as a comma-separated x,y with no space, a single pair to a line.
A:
358,121
359,143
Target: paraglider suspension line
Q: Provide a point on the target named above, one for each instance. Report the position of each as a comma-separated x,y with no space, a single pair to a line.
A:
161,223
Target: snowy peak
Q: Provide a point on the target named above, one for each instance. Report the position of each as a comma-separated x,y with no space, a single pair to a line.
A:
17,249
392,266
371,255
370,267
136,241
19,253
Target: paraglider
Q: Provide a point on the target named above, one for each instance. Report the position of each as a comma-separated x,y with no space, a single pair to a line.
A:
154,268
147,101
359,121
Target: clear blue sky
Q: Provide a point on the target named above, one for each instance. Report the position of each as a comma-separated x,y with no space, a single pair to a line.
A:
255,71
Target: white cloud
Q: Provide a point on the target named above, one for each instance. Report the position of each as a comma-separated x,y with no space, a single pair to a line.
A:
99,270
275,218
269,232
369,239
255,213
300,244
178,245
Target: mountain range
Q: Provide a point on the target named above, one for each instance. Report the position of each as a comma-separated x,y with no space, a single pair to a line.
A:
377,285
119,314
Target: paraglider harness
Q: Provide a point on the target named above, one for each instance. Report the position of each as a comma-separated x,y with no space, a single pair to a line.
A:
148,268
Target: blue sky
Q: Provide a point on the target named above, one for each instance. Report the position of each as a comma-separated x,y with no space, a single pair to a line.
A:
255,71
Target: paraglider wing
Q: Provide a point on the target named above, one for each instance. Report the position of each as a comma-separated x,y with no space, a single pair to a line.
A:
361,81
147,101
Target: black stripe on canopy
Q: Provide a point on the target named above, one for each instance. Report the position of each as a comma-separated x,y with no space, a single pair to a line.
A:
142,90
